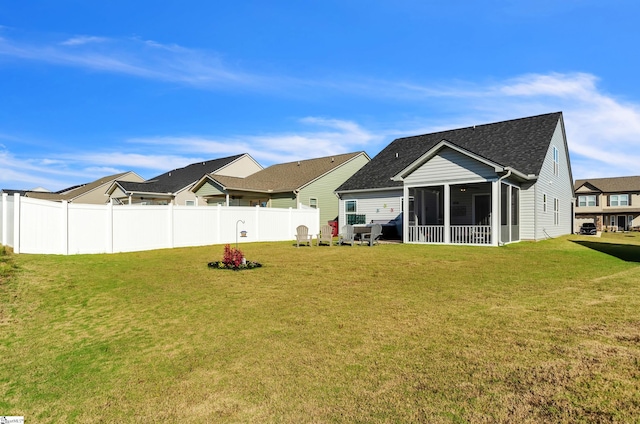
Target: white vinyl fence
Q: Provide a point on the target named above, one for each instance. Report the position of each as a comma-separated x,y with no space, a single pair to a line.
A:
40,226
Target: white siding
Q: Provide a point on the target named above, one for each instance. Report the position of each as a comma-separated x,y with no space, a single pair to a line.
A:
450,166
555,186
376,205
528,210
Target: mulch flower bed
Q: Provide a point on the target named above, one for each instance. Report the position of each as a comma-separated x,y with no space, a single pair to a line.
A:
233,259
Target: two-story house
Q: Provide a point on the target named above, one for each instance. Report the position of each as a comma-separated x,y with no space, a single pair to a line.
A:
613,204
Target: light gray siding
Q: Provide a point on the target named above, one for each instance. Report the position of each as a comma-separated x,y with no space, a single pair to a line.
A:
555,187
376,205
528,211
450,166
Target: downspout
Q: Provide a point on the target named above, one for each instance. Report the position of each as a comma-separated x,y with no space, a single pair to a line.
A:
507,175
297,193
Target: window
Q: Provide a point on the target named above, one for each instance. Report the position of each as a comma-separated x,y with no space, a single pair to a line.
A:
556,161
350,209
544,202
261,203
189,202
619,200
556,211
313,202
350,206
586,201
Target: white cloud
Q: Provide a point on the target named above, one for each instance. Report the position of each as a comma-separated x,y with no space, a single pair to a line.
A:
83,39
136,57
333,136
603,131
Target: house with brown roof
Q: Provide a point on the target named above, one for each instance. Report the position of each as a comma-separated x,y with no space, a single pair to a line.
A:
613,204
91,193
305,183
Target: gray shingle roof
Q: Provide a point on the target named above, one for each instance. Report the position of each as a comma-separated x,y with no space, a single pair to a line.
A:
177,179
519,143
612,185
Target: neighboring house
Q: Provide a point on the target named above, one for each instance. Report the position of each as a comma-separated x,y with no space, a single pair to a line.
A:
174,186
487,184
611,203
305,183
92,193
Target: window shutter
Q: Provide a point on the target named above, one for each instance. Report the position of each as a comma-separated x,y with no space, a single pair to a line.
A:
609,200
577,202
597,200
630,196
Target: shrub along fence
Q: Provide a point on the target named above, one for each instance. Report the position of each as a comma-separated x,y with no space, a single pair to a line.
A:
40,226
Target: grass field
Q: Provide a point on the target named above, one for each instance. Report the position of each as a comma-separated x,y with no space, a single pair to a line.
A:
529,332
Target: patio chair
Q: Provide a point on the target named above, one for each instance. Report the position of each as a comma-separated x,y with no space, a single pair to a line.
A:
326,235
347,235
303,236
373,236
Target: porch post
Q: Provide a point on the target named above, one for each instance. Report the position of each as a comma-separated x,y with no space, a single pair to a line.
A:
495,213
405,213
447,213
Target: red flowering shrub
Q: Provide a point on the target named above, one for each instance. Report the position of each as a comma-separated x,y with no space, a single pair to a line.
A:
232,257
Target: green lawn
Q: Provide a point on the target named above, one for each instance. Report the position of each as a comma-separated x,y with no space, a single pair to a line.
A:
529,332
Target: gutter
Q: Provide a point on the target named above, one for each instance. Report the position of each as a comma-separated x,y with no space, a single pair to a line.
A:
367,190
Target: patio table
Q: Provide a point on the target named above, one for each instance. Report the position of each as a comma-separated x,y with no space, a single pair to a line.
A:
358,231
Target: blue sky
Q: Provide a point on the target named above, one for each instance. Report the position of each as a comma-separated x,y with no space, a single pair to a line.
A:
89,89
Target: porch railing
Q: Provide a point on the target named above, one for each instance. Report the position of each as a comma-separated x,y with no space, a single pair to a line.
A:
471,234
460,234
426,233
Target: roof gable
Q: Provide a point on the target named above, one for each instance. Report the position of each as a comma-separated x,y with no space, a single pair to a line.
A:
520,144
435,151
